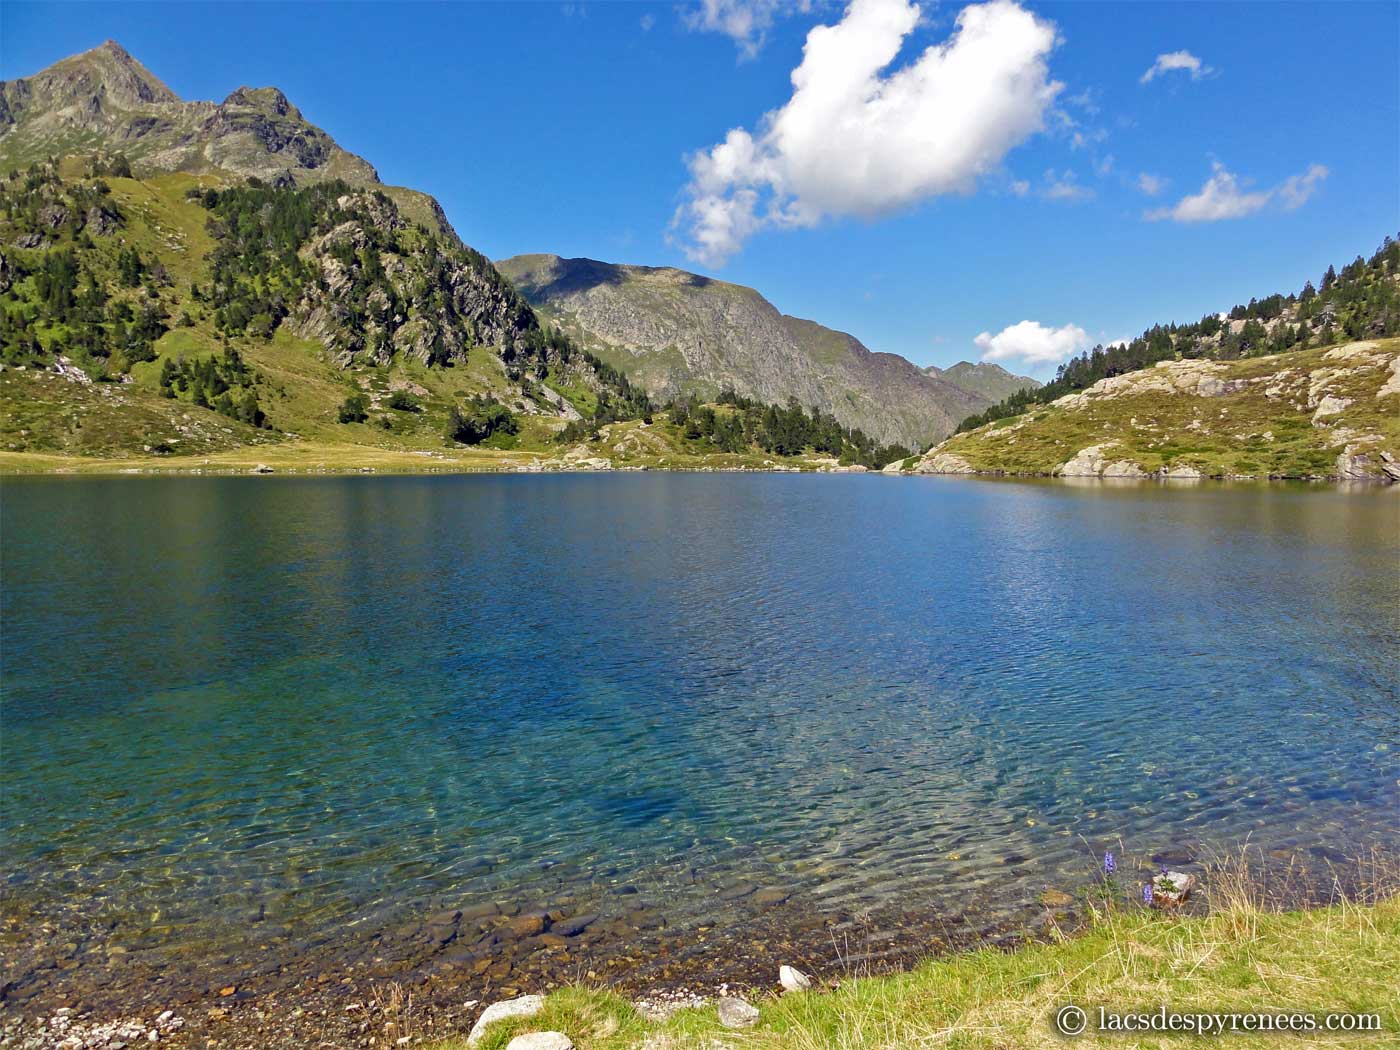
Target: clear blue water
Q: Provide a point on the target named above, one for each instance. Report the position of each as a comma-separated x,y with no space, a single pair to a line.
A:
335,700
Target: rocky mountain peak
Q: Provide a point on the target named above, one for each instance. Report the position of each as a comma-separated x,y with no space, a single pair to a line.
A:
269,100
107,73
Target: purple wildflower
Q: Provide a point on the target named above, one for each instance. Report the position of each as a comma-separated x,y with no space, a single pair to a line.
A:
1147,894
1108,864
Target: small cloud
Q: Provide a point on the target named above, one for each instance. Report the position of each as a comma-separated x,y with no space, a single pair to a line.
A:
746,22
647,22
1064,187
1085,100
1020,187
1296,189
1176,61
1151,184
1223,197
1105,166
1084,139
1032,343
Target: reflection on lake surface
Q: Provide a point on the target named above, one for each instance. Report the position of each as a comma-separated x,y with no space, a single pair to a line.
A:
329,702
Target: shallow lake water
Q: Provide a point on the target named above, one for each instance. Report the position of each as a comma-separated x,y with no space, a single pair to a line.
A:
327,704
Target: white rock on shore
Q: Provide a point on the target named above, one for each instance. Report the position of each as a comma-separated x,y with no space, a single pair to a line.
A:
793,979
523,1006
541,1041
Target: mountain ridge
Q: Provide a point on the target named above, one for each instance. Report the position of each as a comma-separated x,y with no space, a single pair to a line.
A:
679,334
985,378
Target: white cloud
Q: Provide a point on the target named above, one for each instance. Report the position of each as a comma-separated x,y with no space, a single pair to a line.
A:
1295,190
746,22
1031,343
1062,186
647,21
1020,187
1084,139
1182,61
851,141
1151,184
1222,197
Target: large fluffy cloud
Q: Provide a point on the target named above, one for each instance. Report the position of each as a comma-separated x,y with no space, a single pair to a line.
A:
854,140
1176,61
1032,343
1222,197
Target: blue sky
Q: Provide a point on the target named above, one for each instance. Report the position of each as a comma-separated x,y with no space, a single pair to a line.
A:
572,128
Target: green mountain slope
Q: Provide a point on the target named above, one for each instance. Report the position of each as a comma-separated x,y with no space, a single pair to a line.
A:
677,333
985,379
1326,413
1305,385
182,313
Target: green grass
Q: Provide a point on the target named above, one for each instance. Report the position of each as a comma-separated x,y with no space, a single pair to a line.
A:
1242,958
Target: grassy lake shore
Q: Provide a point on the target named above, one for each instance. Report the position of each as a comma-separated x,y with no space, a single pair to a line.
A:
1243,957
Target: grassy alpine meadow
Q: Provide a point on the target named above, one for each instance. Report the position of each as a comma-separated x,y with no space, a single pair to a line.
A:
1246,955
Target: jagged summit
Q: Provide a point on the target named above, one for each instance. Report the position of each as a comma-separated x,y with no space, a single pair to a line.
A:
104,99
268,99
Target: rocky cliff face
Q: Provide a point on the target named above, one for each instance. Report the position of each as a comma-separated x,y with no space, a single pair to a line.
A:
984,379
678,333
428,300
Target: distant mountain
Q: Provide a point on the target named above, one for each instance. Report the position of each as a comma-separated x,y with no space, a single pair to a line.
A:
104,100
985,379
680,333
